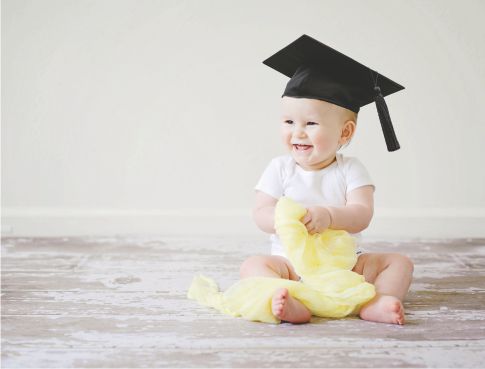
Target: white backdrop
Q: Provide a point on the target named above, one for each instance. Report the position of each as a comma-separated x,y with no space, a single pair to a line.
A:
158,116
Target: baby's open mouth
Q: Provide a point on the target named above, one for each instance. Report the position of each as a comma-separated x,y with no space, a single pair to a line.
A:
302,147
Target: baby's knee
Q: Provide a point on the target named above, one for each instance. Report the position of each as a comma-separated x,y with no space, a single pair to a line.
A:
267,265
251,264
404,262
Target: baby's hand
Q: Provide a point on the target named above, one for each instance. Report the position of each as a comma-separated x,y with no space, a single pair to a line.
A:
317,219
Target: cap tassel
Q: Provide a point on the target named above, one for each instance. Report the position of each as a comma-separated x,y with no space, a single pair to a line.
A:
386,124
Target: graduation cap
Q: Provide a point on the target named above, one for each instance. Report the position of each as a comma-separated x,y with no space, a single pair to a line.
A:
317,71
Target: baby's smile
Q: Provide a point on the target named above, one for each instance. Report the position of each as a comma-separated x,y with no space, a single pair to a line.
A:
302,148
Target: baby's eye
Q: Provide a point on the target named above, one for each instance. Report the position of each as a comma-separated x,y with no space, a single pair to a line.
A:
288,121
312,124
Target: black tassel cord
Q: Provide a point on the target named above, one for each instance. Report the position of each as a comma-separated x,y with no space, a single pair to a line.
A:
386,123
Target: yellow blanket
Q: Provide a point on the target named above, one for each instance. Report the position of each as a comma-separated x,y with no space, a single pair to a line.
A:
328,288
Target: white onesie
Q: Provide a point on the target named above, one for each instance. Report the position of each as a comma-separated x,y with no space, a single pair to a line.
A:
325,187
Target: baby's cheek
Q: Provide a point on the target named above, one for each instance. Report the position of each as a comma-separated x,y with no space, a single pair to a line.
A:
329,140
285,138
324,143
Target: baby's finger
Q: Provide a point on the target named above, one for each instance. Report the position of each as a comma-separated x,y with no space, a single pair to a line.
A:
307,218
310,227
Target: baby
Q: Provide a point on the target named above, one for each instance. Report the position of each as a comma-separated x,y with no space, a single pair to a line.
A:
317,120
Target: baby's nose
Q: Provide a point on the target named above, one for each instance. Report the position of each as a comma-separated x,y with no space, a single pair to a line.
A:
299,132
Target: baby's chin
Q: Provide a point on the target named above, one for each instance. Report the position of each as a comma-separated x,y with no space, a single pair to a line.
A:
303,161
311,163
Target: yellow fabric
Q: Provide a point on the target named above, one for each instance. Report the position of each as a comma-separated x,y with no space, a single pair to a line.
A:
328,288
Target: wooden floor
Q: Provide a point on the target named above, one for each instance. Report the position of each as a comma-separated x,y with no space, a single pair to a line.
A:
121,302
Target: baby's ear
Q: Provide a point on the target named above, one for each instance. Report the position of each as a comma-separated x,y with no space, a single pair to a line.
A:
348,131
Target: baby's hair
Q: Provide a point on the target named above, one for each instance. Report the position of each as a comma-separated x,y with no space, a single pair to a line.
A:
349,115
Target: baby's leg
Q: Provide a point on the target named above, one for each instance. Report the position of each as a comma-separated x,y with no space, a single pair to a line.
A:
268,266
284,306
391,274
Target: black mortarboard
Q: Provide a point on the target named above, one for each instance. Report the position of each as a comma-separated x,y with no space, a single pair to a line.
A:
317,71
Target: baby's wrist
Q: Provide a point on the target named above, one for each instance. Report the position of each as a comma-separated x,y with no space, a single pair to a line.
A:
330,217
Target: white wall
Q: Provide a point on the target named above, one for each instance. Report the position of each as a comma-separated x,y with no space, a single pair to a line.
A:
158,116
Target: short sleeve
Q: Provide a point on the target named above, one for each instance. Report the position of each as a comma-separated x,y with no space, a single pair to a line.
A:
356,175
271,181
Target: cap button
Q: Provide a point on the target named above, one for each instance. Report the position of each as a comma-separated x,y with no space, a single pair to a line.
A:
377,89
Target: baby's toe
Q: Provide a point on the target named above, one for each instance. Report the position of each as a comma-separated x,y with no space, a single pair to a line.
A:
278,310
400,314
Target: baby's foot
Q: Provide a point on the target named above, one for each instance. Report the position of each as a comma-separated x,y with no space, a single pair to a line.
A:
383,309
288,308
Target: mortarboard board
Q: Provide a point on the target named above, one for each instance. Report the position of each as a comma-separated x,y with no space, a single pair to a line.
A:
317,71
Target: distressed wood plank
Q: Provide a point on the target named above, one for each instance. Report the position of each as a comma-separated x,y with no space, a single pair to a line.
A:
449,356
120,301
203,329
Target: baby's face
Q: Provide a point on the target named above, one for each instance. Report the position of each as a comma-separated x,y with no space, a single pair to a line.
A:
312,130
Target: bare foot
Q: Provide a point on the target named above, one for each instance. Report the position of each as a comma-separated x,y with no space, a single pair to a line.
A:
383,309
288,308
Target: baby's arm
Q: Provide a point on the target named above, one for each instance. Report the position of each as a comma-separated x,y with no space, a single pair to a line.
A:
263,212
354,217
